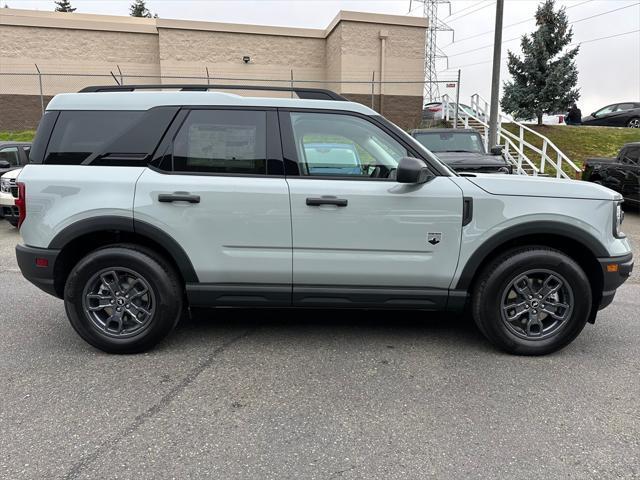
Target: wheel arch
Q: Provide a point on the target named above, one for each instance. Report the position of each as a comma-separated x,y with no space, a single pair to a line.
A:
579,245
79,238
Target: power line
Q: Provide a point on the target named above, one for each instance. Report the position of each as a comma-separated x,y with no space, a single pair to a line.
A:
483,47
466,8
472,11
604,13
512,24
570,23
573,44
608,36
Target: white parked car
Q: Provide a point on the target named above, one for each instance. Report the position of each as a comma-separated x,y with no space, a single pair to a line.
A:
8,189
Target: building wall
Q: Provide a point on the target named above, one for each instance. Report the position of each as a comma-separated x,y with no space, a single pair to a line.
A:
87,49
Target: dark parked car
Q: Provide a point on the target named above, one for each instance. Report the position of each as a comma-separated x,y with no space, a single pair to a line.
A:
13,155
462,150
621,173
624,114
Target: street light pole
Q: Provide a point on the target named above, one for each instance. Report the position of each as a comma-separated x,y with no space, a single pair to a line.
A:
495,77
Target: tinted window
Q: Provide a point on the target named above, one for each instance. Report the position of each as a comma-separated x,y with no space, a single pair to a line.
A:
451,142
43,133
79,135
605,110
625,106
343,145
222,141
10,154
631,155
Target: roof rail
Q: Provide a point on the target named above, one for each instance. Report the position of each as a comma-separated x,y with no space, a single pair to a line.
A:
303,93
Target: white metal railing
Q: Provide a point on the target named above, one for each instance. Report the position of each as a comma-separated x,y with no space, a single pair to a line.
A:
548,155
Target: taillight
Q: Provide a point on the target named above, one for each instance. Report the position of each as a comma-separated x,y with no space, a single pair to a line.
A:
21,203
435,109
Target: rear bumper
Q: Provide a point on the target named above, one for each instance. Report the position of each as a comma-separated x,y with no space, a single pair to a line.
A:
41,275
615,271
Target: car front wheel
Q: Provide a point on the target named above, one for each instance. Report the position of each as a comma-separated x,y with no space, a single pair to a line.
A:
123,298
532,301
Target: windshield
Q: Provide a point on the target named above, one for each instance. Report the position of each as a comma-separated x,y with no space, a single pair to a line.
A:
451,141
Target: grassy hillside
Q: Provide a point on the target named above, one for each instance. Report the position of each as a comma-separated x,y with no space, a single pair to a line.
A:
25,136
578,143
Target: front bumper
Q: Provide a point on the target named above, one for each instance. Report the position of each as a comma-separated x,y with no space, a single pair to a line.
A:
37,265
615,271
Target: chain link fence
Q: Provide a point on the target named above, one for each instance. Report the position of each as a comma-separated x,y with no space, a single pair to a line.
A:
25,95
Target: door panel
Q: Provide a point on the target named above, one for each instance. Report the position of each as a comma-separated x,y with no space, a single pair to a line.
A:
380,238
223,201
239,232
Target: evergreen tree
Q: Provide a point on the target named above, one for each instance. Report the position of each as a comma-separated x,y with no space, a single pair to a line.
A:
544,80
64,6
139,9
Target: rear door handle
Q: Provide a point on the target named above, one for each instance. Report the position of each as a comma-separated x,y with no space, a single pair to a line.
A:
326,200
178,197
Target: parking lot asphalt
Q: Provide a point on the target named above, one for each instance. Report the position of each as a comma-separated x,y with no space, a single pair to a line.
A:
314,394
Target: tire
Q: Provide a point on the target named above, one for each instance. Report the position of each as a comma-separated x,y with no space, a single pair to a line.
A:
634,123
14,222
133,279
507,312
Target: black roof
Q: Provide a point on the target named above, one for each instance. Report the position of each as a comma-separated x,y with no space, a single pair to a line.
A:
302,92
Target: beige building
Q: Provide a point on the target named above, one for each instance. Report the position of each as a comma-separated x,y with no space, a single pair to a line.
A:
74,50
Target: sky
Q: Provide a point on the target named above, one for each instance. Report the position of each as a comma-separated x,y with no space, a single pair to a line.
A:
609,69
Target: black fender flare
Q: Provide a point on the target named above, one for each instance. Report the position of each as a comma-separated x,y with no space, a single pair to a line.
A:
128,224
566,230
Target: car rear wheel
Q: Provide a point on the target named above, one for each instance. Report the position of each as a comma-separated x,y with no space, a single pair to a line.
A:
123,298
532,301
634,123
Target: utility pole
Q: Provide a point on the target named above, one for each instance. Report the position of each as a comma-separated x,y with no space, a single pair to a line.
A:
455,119
495,77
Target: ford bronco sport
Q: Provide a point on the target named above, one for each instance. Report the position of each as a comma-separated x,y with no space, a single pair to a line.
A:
138,204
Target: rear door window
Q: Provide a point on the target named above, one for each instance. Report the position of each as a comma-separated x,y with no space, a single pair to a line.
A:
222,142
81,135
625,106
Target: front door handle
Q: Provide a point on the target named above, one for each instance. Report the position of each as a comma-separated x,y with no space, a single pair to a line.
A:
178,197
326,200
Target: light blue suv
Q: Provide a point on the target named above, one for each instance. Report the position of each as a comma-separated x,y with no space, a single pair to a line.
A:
139,204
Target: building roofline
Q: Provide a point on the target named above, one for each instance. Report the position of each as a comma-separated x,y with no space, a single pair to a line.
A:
113,23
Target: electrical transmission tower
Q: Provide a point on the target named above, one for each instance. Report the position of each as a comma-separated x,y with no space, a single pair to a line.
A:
432,52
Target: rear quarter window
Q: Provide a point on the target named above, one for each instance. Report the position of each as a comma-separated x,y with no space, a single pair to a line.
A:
81,135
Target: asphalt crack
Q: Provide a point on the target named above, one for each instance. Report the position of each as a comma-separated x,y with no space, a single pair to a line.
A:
107,445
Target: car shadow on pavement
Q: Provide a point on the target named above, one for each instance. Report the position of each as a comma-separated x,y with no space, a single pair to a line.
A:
296,325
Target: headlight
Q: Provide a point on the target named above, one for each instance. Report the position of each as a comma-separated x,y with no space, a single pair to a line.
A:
618,218
5,185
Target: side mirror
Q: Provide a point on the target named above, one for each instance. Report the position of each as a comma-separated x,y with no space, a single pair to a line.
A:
4,164
594,114
412,170
497,150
